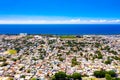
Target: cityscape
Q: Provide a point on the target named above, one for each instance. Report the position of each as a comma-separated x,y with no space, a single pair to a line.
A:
32,57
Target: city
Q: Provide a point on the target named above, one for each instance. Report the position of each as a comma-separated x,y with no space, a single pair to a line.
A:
31,57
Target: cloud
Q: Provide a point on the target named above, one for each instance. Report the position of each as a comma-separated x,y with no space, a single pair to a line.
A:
69,21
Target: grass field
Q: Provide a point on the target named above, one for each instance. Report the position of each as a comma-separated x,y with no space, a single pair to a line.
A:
67,36
12,51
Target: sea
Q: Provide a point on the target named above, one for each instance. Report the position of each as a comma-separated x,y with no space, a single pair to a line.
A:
61,29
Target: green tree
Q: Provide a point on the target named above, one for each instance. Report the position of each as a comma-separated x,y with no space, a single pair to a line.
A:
69,77
61,59
74,61
112,73
60,76
108,61
53,78
102,74
99,56
99,74
113,52
108,77
76,76
23,76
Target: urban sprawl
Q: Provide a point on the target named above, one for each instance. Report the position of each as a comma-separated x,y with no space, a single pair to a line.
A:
40,57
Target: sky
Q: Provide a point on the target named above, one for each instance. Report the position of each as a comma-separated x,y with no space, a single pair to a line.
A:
59,11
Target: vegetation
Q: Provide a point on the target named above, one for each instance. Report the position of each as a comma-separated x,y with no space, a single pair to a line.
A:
21,68
113,52
108,77
33,79
115,78
74,61
116,58
63,76
97,45
14,59
28,71
108,61
99,74
76,76
102,74
12,51
29,37
4,64
23,76
61,59
107,48
67,36
10,79
51,42
60,76
2,59
99,55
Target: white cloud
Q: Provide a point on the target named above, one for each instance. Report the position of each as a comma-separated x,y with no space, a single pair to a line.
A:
69,21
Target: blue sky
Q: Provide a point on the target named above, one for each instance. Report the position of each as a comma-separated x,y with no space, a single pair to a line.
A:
60,9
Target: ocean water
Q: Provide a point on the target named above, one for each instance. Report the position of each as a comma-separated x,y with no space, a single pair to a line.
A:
60,29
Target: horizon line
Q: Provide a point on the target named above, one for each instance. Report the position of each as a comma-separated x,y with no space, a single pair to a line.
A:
61,21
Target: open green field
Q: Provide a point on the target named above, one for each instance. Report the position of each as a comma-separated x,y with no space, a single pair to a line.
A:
67,36
11,51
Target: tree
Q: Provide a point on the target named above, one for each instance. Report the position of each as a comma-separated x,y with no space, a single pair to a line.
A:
69,77
108,61
74,61
107,48
97,45
108,77
113,52
76,76
53,78
112,73
63,76
61,59
99,74
23,76
99,56
102,74
60,76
